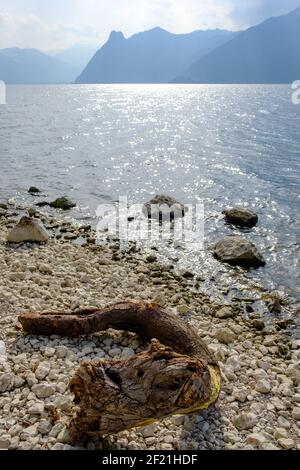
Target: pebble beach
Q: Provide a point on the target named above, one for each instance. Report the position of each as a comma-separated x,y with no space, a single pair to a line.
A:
259,406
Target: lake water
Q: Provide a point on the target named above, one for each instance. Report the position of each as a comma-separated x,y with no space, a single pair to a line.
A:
223,145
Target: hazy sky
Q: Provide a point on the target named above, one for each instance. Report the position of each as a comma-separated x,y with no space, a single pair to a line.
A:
54,24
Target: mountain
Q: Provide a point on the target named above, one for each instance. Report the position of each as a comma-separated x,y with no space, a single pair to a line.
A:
267,53
30,66
154,56
9,69
78,56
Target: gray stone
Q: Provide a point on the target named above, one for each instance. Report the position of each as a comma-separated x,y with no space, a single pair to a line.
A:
296,413
293,371
286,443
64,436
245,421
62,402
44,427
5,441
61,352
283,422
28,230
127,352
115,352
231,437
188,275
63,203
6,381
237,251
49,352
37,409
43,390
183,309
241,217
31,379
29,432
225,312
33,190
296,398
234,362
268,446
18,381
255,439
225,336
263,386
151,258
166,446
280,433
164,208
2,350
148,431
57,428
58,446
42,371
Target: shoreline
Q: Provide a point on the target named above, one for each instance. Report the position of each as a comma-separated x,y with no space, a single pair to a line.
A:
260,400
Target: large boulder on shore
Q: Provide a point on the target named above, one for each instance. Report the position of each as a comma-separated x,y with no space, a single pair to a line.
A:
241,217
63,203
28,230
237,251
164,208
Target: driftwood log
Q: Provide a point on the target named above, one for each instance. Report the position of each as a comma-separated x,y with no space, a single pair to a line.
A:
176,375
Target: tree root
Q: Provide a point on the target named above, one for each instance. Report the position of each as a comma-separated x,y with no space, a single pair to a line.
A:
176,375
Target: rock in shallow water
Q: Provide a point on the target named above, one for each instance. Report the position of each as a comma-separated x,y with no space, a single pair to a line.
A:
241,217
63,203
33,190
164,208
237,251
28,230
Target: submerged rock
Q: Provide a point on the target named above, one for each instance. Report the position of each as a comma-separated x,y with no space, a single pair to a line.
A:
237,251
28,230
164,208
241,217
42,204
33,190
274,305
63,203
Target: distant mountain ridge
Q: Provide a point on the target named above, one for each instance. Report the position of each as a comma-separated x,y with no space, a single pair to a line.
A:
31,66
267,53
154,56
77,56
